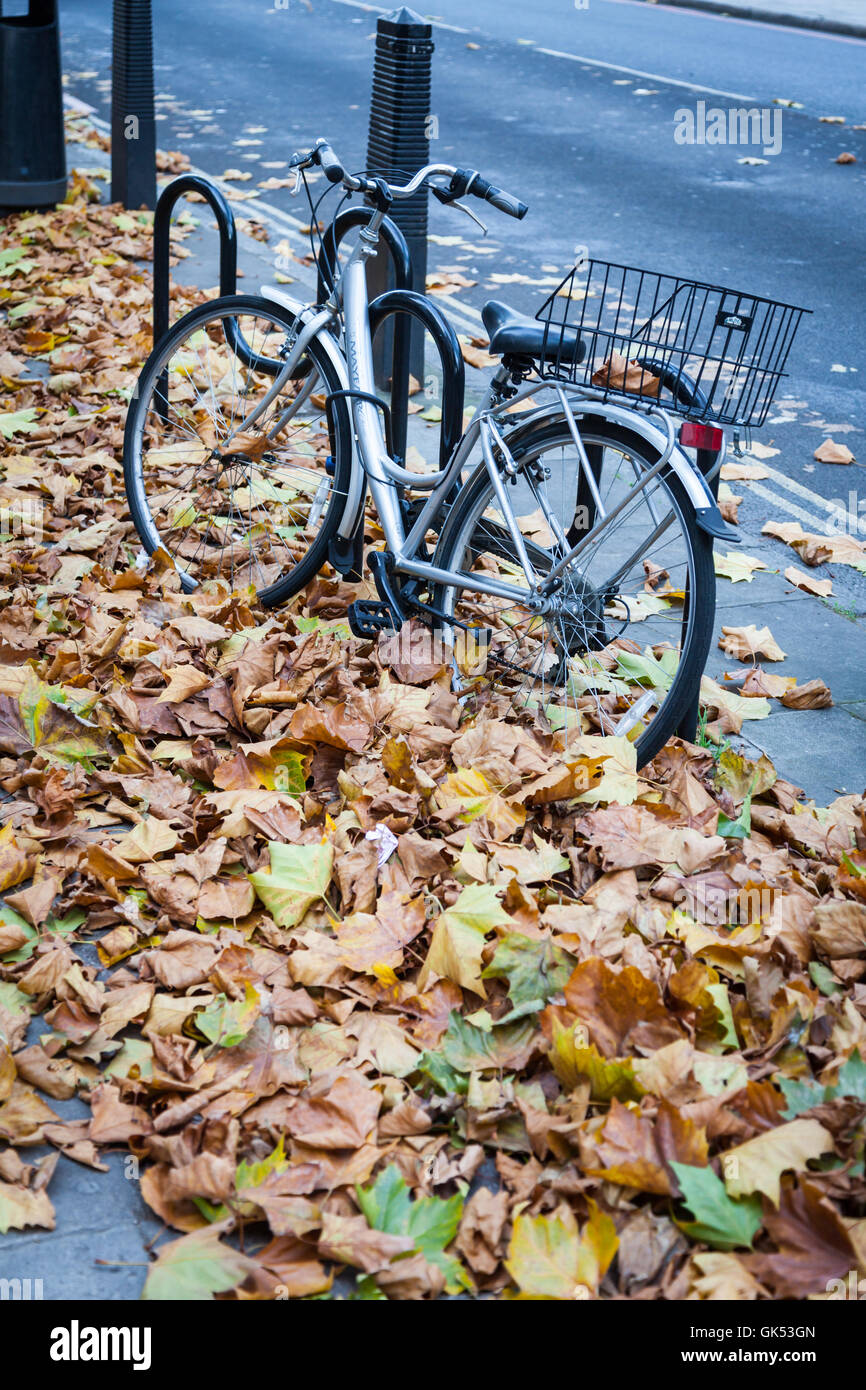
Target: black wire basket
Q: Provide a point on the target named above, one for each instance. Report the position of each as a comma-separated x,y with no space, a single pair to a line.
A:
699,350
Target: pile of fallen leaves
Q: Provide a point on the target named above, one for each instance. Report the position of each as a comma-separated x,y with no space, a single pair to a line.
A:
388,988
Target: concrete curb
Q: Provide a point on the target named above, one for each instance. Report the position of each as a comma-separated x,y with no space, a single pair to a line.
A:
755,12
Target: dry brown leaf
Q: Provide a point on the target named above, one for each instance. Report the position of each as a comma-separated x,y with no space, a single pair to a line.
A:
750,642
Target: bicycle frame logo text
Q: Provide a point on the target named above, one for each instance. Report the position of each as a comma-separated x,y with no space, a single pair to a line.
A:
738,125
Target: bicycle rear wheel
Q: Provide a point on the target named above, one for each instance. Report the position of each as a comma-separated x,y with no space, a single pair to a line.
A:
254,506
621,648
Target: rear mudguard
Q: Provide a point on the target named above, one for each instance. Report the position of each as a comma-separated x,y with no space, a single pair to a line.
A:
707,514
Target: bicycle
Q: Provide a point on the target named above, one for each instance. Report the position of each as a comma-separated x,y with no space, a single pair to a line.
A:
569,567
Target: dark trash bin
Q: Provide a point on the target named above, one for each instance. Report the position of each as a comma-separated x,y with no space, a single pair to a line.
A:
32,148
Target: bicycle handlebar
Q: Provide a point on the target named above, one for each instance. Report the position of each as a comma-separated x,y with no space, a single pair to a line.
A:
462,181
329,163
465,181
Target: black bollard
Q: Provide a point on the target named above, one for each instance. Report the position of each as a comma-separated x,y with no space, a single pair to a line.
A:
133,129
32,148
398,146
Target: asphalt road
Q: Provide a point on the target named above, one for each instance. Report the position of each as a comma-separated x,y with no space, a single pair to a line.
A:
574,110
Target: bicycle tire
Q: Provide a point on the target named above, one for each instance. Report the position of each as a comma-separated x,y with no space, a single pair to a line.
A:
301,573
597,430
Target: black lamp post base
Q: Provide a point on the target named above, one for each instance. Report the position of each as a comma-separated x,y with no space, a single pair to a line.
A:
32,195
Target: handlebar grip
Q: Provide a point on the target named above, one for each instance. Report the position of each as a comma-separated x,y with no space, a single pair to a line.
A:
506,202
330,164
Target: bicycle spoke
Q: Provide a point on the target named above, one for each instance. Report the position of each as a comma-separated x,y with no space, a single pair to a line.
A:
249,510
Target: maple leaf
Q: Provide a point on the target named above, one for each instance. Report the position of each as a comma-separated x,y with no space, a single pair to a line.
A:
814,1246
736,567
469,795
459,938
17,422
758,1165
196,1267
430,1222
535,970
226,1022
298,877
574,1063
549,1258
718,1219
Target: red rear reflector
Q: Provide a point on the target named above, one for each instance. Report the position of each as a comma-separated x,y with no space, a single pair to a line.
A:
695,436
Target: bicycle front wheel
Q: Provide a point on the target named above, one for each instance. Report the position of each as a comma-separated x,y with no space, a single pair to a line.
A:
256,504
621,645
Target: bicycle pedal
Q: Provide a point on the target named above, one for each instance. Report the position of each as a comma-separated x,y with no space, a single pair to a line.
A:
367,618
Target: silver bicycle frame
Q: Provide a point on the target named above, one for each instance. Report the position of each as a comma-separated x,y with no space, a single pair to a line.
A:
373,467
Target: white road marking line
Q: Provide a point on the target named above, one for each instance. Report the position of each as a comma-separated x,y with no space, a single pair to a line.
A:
574,57
638,72
470,317
814,522
806,493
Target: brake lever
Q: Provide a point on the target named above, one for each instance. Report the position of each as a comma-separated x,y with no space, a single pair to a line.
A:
296,186
469,213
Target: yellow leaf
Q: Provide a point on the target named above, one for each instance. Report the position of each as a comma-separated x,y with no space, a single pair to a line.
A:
736,567
145,841
616,779
468,794
183,681
757,1165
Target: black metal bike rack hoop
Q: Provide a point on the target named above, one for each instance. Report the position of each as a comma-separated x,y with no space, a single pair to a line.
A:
225,220
401,302
404,304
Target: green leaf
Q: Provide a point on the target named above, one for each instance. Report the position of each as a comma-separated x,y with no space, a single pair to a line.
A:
458,938
720,1221
431,1222
23,311
805,1095
289,774
226,1022
574,1062
725,1020
643,670
55,725
534,969
741,828
852,1079
445,1078
478,907
822,978
801,1096
298,877
10,918
13,999
254,1174
134,1053
18,421
196,1267
467,1048
368,1291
